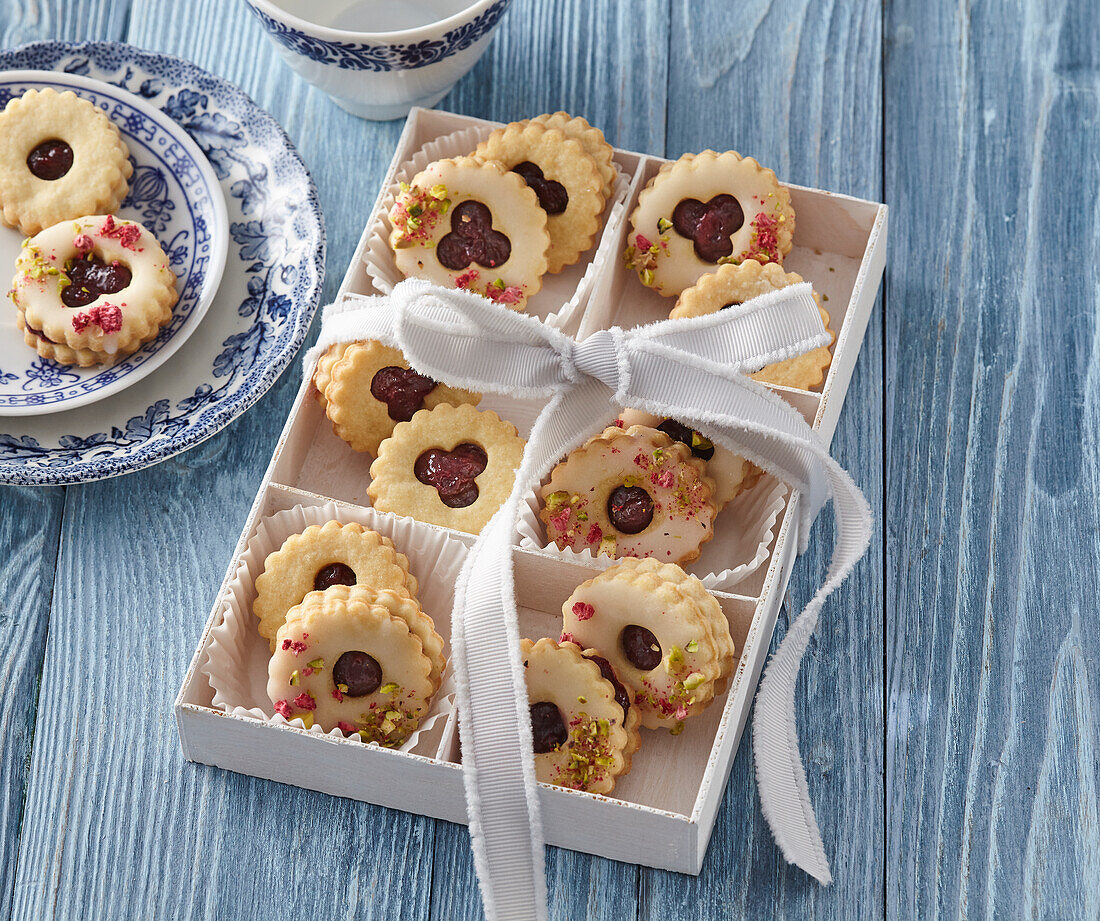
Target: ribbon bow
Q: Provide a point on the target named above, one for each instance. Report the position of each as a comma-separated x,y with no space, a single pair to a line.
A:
689,370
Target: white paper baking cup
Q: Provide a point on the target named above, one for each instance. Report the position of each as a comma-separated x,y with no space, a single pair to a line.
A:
743,532
237,659
561,295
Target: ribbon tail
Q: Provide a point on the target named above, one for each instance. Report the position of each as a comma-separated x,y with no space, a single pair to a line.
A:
780,775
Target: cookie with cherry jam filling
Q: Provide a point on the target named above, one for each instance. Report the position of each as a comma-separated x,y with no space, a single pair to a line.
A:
452,466
584,727
61,158
473,225
342,661
706,210
630,492
664,634
370,387
592,139
323,556
564,176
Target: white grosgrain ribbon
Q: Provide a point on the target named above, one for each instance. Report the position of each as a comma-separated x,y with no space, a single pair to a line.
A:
690,370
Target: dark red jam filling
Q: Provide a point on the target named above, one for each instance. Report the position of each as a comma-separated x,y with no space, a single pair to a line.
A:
358,672
50,160
91,277
333,574
709,226
452,472
553,199
472,239
621,697
640,647
681,433
402,390
630,509
548,730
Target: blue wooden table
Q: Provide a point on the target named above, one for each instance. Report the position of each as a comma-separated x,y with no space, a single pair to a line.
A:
947,708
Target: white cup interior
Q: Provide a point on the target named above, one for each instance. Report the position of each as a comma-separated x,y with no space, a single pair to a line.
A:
372,16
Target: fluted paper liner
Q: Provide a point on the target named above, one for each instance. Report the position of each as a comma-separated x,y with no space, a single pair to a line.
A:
561,295
743,532
238,656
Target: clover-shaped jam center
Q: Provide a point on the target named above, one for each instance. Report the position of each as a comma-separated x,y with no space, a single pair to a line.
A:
357,671
548,730
402,390
640,647
50,160
90,278
472,239
333,574
700,445
452,473
630,509
553,198
709,226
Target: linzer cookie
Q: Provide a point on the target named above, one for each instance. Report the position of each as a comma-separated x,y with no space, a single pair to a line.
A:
564,176
731,286
703,211
472,225
451,466
60,159
632,492
369,388
661,630
322,374
578,128
724,467
344,662
92,291
583,727
323,556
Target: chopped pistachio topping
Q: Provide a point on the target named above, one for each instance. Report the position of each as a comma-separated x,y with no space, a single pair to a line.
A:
294,678
693,646
389,688
316,663
692,681
663,225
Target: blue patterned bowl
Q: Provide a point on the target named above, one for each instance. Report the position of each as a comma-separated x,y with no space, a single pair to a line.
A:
382,73
176,196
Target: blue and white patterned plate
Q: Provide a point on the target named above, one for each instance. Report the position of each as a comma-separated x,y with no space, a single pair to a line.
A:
261,313
175,195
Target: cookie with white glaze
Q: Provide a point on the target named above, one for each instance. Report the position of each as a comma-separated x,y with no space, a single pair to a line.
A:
706,210
661,630
583,726
731,286
370,387
474,225
630,492
92,291
344,662
322,556
61,158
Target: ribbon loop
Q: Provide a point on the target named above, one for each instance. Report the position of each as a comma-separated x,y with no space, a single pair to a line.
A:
687,369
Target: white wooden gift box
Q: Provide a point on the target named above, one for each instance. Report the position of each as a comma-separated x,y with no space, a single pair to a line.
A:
663,812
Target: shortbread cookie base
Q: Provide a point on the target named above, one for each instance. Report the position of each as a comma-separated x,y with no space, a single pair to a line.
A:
595,145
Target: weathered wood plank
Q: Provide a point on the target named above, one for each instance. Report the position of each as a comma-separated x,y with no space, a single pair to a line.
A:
798,86
992,417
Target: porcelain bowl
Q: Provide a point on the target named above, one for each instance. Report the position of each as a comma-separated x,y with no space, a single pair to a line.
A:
399,63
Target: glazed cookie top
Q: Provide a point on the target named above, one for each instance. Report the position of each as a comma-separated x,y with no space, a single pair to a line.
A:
663,632
369,388
705,210
323,556
563,175
452,466
724,467
632,492
346,663
731,286
583,735
97,283
467,224
60,158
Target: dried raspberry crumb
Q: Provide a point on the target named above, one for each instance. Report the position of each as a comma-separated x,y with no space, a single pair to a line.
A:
467,278
336,695
82,242
641,242
107,317
305,701
568,638
583,610
283,709
347,727
595,534
508,295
